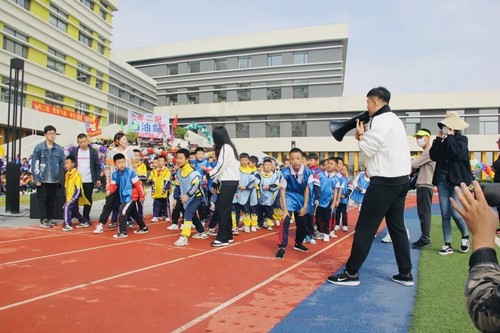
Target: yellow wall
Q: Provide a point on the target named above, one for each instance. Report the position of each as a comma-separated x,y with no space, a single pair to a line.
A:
39,10
38,56
73,29
34,90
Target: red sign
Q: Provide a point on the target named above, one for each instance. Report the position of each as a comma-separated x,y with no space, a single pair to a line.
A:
92,125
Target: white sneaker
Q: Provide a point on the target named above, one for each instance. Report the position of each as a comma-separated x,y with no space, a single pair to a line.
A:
154,219
167,219
201,235
99,229
344,228
332,234
277,223
212,232
173,227
387,239
326,237
253,229
270,228
182,241
311,241
247,230
337,227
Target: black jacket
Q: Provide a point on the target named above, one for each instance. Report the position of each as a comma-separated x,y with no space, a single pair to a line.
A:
496,168
453,153
95,164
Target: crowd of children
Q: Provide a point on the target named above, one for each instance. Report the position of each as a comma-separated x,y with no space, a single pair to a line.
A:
313,194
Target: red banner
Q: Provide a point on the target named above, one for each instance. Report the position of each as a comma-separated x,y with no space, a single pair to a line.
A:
92,125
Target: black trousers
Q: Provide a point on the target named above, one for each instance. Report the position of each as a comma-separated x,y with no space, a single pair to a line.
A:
323,218
46,197
112,201
424,206
130,209
177,211
223,209
88,189
381,201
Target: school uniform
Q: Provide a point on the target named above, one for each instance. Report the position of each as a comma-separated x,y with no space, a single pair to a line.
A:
189,184
160,191
267,197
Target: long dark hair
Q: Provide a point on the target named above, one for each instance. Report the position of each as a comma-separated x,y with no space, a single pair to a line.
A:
221,137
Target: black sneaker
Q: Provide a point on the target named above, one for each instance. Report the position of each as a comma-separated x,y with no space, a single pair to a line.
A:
112,225
280,254
45,224
300,247
120,235
344,279
464,245
405,280
144,230
446,250
53,223
420,244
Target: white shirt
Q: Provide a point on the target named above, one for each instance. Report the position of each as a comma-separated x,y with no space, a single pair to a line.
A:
84,165
228,167
386,148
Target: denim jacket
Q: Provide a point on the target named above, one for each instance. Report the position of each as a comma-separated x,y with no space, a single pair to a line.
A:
41,155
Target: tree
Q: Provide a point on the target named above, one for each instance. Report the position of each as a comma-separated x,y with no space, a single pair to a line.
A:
179,132
132,137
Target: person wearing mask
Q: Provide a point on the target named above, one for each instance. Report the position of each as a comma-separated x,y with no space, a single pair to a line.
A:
482,289
425,189
89,168
227,175
47,165
451,153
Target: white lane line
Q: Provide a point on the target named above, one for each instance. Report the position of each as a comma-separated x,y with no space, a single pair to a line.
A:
256,287
118,243
83,285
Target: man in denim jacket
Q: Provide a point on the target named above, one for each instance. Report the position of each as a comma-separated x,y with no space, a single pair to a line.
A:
46,166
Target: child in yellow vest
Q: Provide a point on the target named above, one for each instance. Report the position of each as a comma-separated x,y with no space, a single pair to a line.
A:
160,190
74,194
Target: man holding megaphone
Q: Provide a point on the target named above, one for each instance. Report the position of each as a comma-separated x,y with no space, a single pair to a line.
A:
386,149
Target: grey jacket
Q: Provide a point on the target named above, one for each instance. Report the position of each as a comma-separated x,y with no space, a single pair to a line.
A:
426,166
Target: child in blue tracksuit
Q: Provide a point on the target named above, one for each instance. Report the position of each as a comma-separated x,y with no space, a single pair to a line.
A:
328,197
268,186
360,185
294,193
314,193
345,192
245,197
191,198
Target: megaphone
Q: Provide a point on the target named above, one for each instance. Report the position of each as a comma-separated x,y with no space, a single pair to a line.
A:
340,128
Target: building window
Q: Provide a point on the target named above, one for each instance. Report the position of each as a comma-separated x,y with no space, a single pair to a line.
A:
52,97
89,4
5,92
102,13
244,94
85,35
81,107
23,3
219,94
131,97
193,98
99,81
172,99
242,128
244,62
58,18
194,67
14,44
274,60
273,128
221,64
274,93
412,122
300,90
173,69
300,57
101,45
53,61
488,124
83,73
299,127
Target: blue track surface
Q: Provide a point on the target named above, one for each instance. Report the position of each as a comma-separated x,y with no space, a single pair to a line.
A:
377,305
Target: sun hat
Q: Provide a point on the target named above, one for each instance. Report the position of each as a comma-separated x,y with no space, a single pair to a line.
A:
453,121
422,132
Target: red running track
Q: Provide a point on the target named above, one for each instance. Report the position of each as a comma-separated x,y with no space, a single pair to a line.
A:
79,282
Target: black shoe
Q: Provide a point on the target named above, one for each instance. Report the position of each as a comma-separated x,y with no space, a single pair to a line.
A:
144,230
45,224
52,223
405,280
344,279
300,247
420,244
280,254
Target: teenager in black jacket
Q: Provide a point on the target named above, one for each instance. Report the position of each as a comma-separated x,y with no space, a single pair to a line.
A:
451,153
